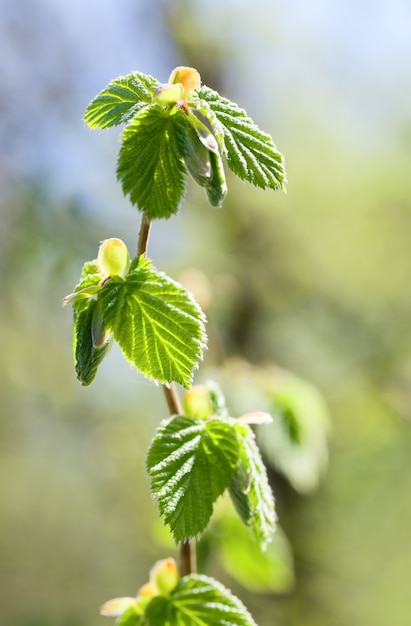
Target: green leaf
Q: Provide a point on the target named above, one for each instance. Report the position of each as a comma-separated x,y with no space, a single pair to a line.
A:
250,152
121,100
90,275
250,490
270,571
202,601
296,442
157,323
191,462
217,399
131,617
151,161
197,158
159,612
217,188
87,358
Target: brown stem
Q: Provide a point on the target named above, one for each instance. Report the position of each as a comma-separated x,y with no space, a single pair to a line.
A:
188,563
172,399
187,548
143,236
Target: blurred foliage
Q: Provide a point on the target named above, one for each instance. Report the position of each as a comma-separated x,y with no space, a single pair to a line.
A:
316,280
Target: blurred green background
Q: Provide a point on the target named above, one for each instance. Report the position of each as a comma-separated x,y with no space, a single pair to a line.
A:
315,280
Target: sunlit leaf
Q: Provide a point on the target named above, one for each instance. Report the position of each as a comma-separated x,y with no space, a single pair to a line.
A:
117,606
250,152
86,356
121,100
158,325
150,165
190,463
202,601
250,490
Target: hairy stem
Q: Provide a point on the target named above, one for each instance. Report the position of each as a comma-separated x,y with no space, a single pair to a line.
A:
172,399
187,548
188,563
143,236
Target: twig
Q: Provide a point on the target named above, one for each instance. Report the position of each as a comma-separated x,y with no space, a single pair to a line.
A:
143,236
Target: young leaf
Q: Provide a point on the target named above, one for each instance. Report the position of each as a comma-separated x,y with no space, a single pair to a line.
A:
150,165
156,322
197,158
117,606
131,617
199,601
90,275
121,100
250,152
191,462
217,188
87,357
250,490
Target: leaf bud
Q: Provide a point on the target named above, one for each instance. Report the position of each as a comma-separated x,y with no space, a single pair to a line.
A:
113,257
197,403
187,76
168,93
164,576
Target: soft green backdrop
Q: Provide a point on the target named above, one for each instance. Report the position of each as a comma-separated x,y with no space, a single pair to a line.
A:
316,280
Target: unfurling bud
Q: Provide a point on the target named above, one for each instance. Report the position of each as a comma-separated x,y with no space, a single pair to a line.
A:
197,158
187,76
217,189
197,403
99,334
113,258
168,93
164,576
163,579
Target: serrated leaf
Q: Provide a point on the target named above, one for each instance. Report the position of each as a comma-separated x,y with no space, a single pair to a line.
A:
197,158
121,100
250,490
150,165
251,153
87,358
216,190
159,612
157,323
191,462
86,292
202,601
90,275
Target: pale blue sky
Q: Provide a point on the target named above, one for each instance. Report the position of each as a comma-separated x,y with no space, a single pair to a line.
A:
346,63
